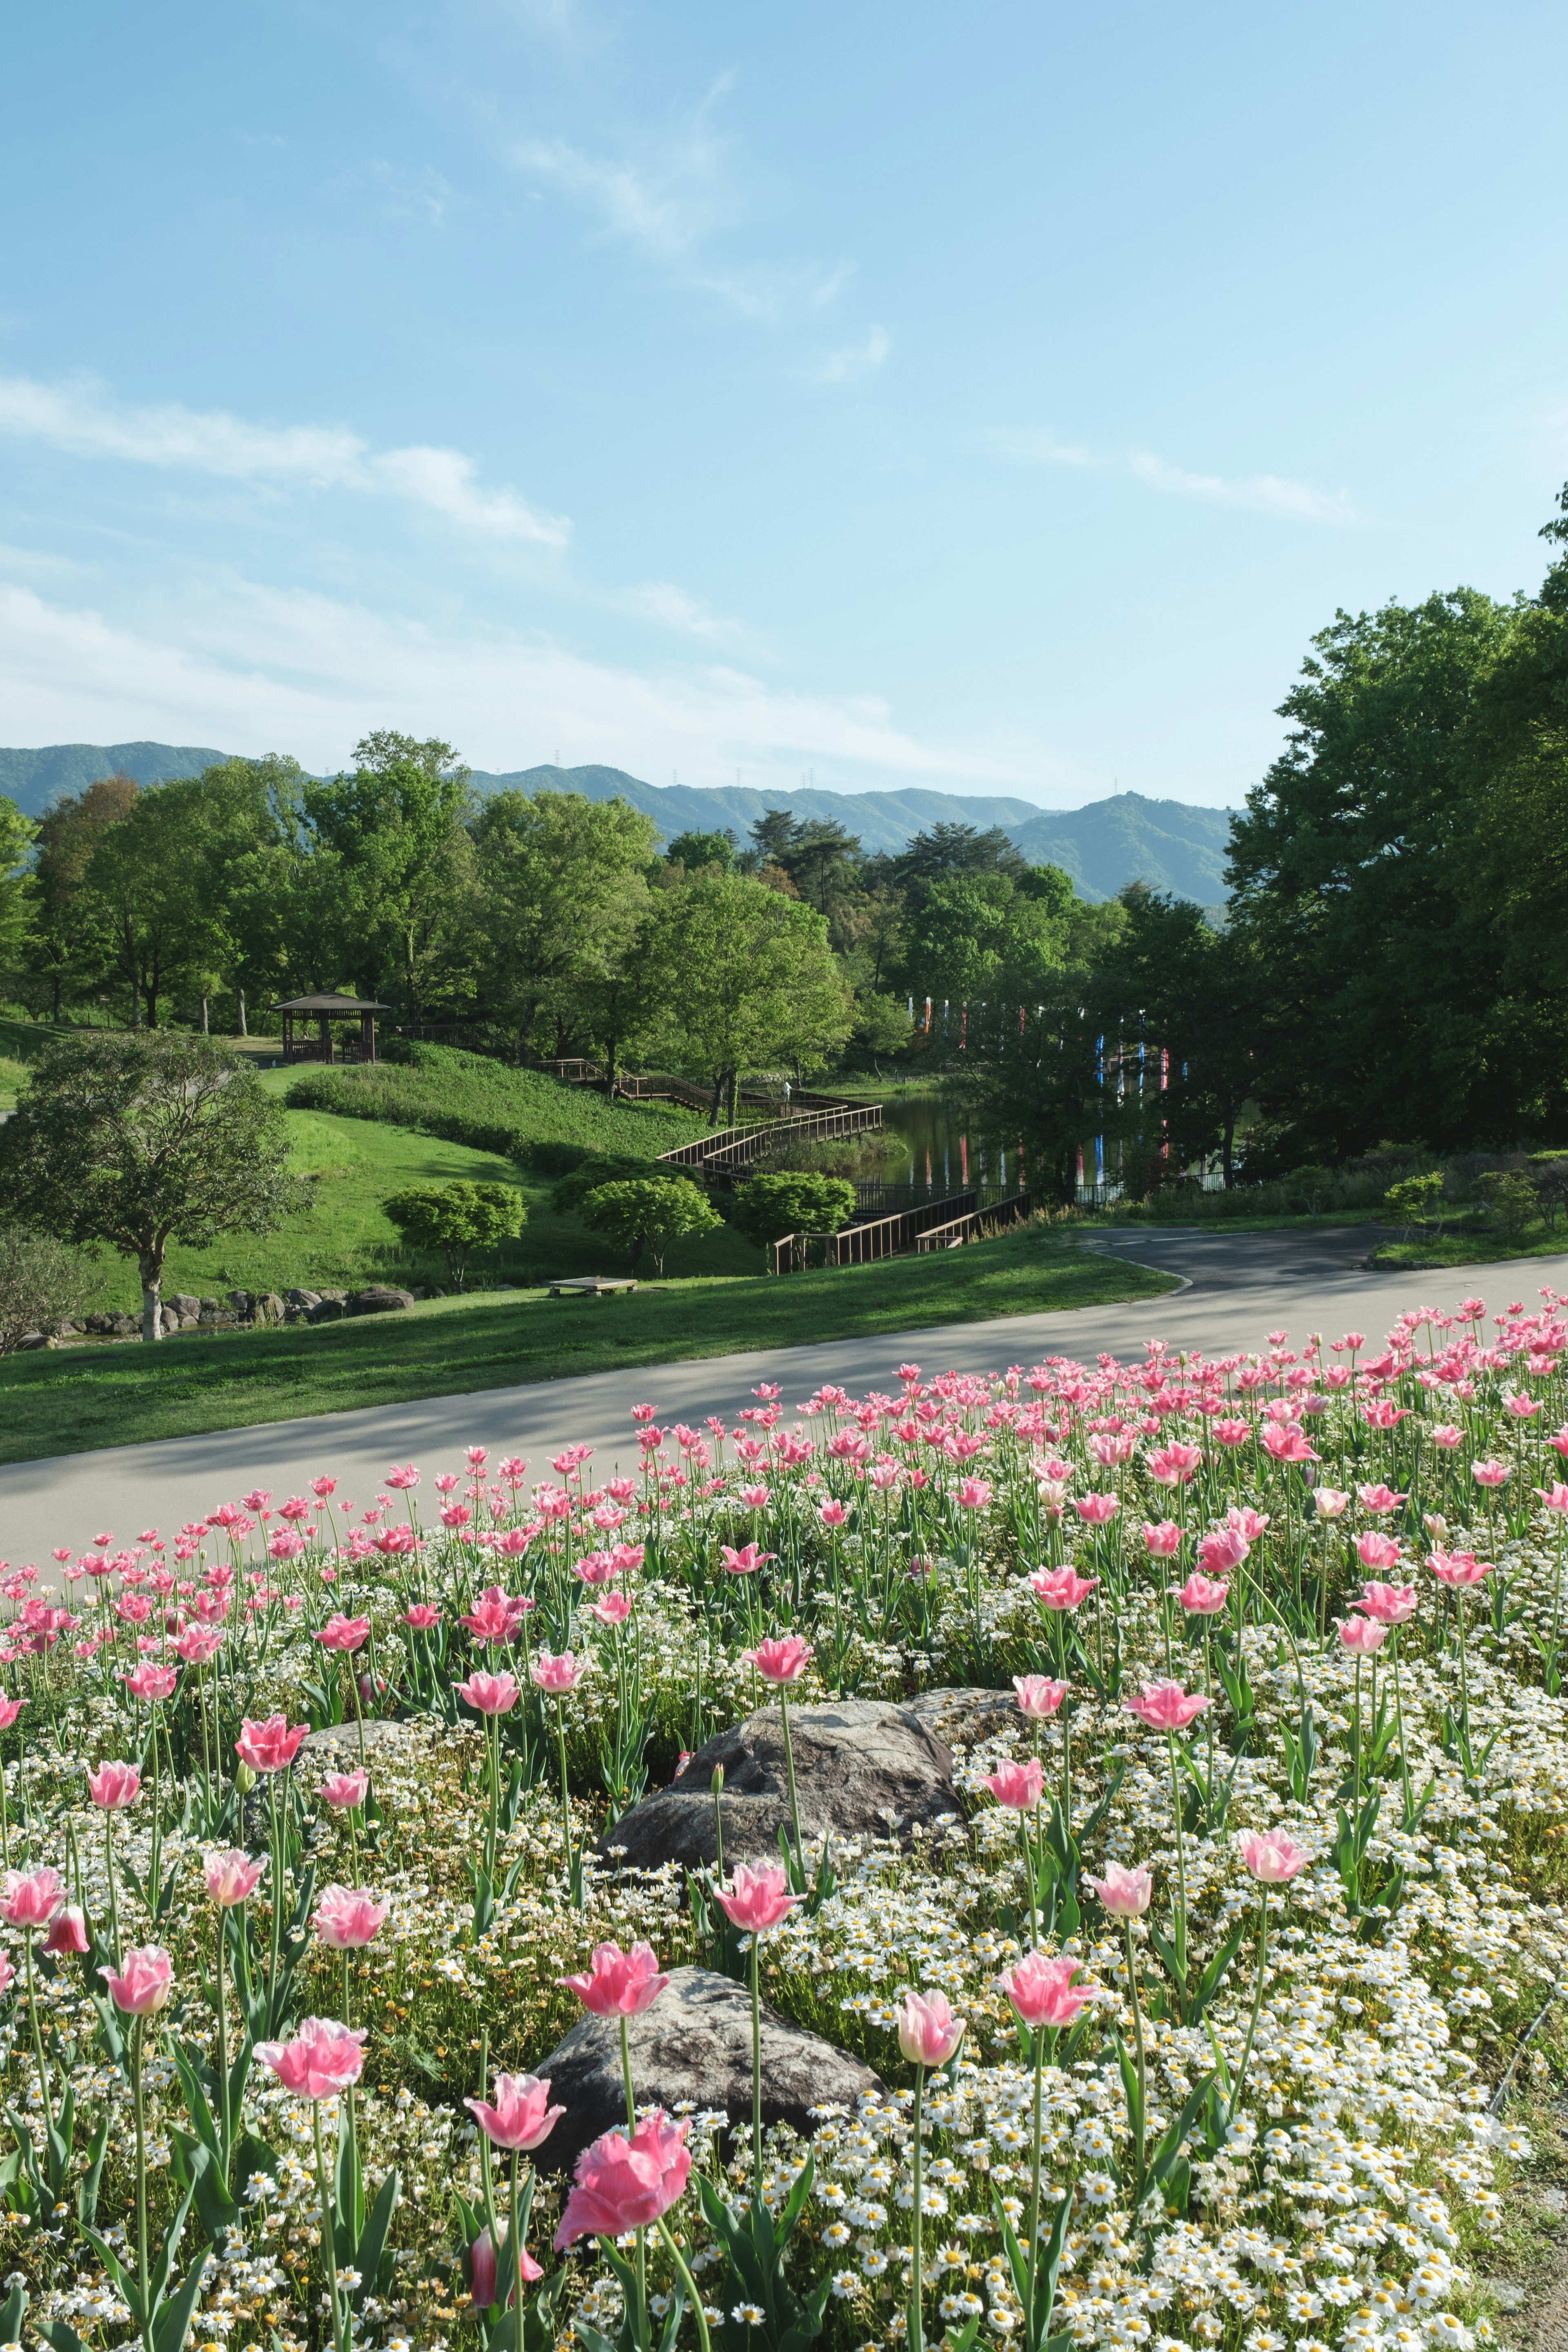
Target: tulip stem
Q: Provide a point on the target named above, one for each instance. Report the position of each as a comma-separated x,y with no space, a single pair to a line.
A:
114,1898
1257,2007
916,2317
1138,2043
44,2091
140,2178
329,2240
515,2233
222,2051
1180,1923
565,1796
1028,1853
627,2075
678,2259
794,1803
757,2067
1029,2331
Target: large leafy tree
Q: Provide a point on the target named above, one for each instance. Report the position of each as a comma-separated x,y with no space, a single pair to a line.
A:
156,877
562,895
395,883
72,941
138,1141
17,895
1181,1000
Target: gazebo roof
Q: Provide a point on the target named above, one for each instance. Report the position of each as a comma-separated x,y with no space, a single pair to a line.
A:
332,1003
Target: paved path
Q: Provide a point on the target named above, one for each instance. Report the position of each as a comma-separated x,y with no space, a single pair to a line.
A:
1238,1286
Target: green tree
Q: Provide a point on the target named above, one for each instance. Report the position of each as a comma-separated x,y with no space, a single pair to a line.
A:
17,890
149,875
394,888
770,1206
1416,1201
41,1282
747,978
650,1214
139,1141
562,895
72,942
702,849
457,1219
1181,1000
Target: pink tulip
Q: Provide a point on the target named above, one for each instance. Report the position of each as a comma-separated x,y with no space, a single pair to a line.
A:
1489,1474
1457,1569
345,1634
929,2032
198,1645
758,1898
348,1920
1554,1498
1095,1510
1199,1598
69,1932
1042,1992
974,1494
113,1786
1284,1442
613,1610
1365,1635
745,1560
782,1661
421,1615
10,1708
323,2058
833,1514
31,1899
151,1682
1166,1707
1017,1786
269,1747
556,1675
1379,1498
491,1693
231,1877
1223,1551
624,2184
1163,1541
520,2115
1377,1551
482,2268
1273,1857
144,1981
1330,1501
1173,1465
1126,1893
1391,1604
343,1790
1038,1696
1062,1588
618,1983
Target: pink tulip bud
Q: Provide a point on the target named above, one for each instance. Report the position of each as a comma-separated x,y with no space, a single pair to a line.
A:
1377,1551
1273,1857
231,1877
323,2059
69,1932
618,1983
520,2116
1362,1634
1163,1541
31,1899
269,1747
345,1790
758,1898
113,1786
1330,1501
1126,1893
1038,1695
143,1982
929,2032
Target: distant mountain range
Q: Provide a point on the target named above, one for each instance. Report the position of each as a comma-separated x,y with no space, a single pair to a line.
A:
1103,846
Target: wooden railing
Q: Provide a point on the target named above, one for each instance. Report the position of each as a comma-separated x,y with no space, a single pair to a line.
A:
872,1238
735,1148
962,1229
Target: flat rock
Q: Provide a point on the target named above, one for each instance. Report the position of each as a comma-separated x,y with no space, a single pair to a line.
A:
378,1298
863,1768
694,2044
336,1749
964,1715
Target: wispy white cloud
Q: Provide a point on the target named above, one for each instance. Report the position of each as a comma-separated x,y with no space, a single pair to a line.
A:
672,608
855,361
397,191
1264,493
254,668
84,421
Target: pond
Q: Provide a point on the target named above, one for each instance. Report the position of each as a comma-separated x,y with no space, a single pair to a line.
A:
944,1157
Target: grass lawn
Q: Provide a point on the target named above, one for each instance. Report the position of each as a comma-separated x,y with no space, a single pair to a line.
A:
1478,1245
72,1399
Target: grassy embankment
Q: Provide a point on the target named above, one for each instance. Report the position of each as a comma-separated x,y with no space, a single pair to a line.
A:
1477,1244
72,1399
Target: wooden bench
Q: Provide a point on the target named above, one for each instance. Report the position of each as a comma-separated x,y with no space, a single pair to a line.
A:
592,1285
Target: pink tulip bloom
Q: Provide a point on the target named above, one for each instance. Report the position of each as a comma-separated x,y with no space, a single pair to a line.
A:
743,1560
1489,1474
31,1899
1284,1442
1274,1857
269,1747
1330,1501
613,1610
490,1620
758,1898
1126,1893
421,1615
344,1633
1038,1695
1043,1992
145,1982
348,1920
556,1675
1554,1499
1062,1588
69,1932
618,1984
1379,1498
231,1877
10,1708
1199,1598
482,2267
1173,1465
1457,1569
491,1693
1017,1786
323,2058
113,1786
974,1494
344,1791
624,2184
782,1661
1364,1635
929,2032
151,1682
1448,1436
198,1645
1391,1604
1095,1510
832,1515
1166,1707
1222,1551
520,2116
1163,1540
1377,1551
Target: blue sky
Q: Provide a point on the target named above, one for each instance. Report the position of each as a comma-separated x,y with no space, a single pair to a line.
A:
993,398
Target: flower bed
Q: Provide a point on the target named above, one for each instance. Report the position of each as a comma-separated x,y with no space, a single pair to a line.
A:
1193,2015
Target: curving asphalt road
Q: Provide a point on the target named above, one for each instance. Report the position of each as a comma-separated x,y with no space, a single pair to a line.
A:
1235,1287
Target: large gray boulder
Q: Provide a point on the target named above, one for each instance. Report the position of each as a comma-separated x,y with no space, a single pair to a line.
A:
694,2044
378,1298
863,1768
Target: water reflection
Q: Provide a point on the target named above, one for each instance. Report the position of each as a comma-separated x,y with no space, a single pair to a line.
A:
943,1159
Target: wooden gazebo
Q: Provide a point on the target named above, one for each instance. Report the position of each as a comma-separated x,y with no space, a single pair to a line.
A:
322,1010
